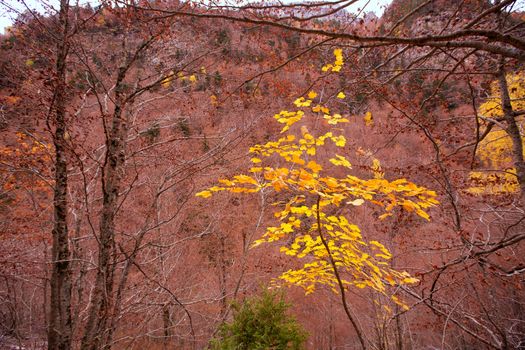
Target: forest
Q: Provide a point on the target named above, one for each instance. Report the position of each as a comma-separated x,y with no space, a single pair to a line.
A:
178,174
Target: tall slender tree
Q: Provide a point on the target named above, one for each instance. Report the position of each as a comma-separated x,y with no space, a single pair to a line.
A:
60,321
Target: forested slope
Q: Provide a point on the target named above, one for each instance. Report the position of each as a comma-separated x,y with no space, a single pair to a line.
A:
193,156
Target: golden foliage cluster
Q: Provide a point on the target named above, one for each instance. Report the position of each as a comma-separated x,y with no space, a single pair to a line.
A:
313,200
495,150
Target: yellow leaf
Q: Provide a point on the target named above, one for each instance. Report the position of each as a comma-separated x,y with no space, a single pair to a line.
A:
408,206
314,166
331,182
423,214
312,95
204,194
341,95
390,280
410,280
341,161
166,82
369,120
340,141
310,289
376,169
257,243
245,179
226,182
384,216
286,228
360,285
301,102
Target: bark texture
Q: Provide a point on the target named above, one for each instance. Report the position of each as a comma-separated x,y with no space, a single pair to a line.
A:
97,327
60,322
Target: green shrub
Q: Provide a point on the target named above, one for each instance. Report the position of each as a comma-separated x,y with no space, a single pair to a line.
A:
261,323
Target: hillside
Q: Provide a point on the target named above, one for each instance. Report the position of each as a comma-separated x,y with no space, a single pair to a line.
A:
384,198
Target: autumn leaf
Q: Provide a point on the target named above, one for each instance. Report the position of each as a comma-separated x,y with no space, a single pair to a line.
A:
166,82
410,280
312,95
314,166
369,120
301,102
204,194
13,100
340,161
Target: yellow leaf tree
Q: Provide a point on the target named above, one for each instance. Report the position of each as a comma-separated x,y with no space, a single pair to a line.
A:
314,200
501,145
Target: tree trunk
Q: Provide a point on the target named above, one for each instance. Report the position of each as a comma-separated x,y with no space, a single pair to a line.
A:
102,298
167,324
222,274
512,128
60,327
355,326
